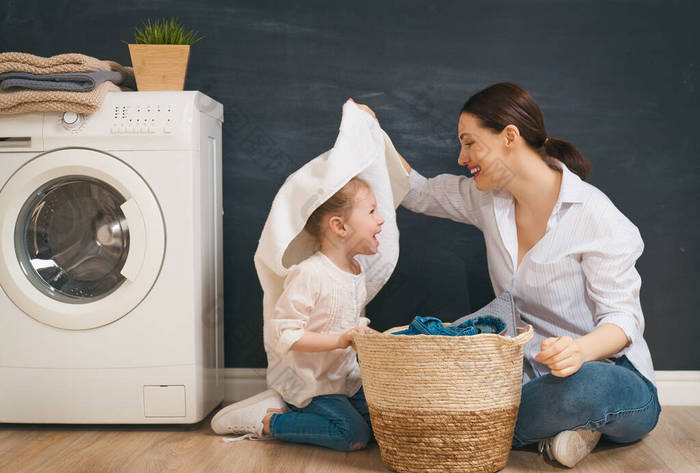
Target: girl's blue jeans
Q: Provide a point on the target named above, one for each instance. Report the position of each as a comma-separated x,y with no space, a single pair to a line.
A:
614,399
333,420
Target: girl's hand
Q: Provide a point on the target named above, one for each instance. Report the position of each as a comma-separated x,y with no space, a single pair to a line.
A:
365,108
345,339
562,355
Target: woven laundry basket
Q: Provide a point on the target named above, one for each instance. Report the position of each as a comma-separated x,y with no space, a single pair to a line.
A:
440,403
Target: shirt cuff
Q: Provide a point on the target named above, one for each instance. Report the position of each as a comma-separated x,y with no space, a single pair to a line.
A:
287,339
364,322
416,181
628,325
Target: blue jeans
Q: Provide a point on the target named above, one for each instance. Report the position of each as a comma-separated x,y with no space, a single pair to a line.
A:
333,420
614,399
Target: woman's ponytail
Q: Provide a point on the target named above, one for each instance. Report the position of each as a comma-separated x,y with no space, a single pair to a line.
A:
504,104
568,154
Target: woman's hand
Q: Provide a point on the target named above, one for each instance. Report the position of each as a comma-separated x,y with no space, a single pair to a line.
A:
345,339
365,108
369,110
562,355
565,355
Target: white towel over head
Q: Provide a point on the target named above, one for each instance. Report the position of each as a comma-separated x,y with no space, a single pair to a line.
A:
362,150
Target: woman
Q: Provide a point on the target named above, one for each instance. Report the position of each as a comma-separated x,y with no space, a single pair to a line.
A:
567,255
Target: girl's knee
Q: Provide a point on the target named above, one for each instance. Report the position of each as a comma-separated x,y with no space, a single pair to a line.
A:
351,444
357,437
359,440
358,446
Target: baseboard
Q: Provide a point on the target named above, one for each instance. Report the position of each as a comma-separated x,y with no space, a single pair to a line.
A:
240,383
676,388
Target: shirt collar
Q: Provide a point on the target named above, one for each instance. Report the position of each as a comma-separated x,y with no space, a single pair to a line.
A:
573,189
337,271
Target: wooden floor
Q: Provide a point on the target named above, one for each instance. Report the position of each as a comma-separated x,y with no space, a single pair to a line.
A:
674,446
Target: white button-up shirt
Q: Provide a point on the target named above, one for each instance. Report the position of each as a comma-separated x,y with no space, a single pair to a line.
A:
579,275
320,297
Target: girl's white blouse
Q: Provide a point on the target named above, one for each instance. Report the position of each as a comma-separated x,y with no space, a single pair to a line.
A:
579,275
320,297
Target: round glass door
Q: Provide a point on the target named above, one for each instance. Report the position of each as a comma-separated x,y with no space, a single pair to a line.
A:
82,238
72,239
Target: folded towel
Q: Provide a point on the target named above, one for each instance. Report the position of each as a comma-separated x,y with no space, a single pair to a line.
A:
65,81
362,149
73,62
434,326
23,101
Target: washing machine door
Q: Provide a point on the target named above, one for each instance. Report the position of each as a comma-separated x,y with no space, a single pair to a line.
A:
82,238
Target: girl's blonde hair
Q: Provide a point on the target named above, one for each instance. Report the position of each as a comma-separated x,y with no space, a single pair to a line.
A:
340,204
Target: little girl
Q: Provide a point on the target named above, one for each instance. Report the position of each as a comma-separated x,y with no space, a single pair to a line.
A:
316,394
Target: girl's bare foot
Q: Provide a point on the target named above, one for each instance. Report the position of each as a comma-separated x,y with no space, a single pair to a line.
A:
266,419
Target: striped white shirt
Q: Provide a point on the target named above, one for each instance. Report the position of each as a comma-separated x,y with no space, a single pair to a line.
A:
579,275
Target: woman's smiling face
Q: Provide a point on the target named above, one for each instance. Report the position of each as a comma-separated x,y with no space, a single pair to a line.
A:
482,151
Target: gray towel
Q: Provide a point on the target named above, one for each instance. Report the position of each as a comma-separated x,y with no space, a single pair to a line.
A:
503,307
66,81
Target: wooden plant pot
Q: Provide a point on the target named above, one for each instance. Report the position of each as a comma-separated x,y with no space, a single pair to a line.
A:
160,66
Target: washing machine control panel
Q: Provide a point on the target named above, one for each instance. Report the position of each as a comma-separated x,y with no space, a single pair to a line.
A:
133,121
146,118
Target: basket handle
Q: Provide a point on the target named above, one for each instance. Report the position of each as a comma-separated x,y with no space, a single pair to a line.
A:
525,334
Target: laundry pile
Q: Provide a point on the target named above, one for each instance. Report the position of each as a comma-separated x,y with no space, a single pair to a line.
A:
498,316
434,326
61,83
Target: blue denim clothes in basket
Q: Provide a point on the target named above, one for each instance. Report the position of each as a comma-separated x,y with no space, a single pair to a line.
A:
434,326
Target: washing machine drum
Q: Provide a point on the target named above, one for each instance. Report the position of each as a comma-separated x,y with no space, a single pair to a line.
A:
74,250
72,239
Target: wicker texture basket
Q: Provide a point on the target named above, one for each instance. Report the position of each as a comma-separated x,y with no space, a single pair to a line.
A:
440,403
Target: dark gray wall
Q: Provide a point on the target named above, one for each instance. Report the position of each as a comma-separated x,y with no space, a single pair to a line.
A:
618,79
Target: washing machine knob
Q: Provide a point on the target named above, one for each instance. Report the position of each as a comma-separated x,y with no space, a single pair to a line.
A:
70,118
72,122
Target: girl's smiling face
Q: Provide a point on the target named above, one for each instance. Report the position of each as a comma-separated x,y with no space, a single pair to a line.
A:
364,224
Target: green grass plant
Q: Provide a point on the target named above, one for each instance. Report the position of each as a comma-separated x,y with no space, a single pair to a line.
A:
164,31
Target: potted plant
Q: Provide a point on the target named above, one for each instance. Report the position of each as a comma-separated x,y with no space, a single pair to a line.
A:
160,54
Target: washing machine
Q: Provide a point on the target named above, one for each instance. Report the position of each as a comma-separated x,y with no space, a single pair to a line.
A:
110,262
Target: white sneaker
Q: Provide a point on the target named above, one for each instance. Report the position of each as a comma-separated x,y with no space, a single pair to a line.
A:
570,447
245,417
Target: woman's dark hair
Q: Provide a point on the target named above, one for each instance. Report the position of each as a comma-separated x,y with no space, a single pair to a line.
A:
503,104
